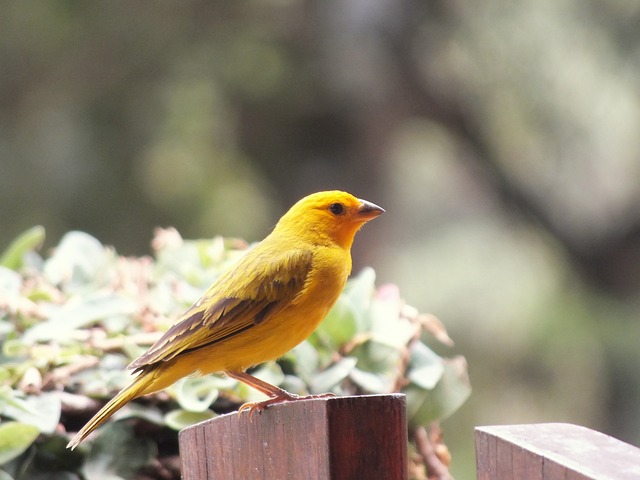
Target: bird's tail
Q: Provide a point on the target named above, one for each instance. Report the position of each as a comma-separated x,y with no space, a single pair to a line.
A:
138,387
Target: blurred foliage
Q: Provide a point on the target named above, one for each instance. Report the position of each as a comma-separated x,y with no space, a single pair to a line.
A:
72,321
501,137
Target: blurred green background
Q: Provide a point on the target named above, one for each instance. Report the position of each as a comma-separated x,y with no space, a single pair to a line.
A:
501,137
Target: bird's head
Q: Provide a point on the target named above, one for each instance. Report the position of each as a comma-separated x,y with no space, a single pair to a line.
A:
332,216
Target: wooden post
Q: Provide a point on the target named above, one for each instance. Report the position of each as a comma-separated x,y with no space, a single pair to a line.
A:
330,438
553,451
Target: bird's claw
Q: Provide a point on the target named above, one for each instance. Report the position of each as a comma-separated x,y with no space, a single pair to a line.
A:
260,406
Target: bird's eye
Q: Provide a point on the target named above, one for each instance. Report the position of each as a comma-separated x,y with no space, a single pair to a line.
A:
336,208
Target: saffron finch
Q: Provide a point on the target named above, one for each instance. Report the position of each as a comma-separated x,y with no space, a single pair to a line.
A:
265,304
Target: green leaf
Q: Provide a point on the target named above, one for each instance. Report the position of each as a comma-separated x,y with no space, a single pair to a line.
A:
41,411
15,438
179,419
10,282
453,389
196,394
211,252
222,382
386,324
79,312
79,261
5,476
148,413
15,348
332,376
361,287
377,357
116,453
425,368
11,398
27,241
10,291
349,315
340,324
359,291
306,360
294,384
371,382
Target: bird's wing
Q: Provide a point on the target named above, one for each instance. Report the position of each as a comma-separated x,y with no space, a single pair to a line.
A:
260,285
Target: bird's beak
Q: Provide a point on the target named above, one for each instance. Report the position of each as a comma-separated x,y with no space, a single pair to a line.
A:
368,210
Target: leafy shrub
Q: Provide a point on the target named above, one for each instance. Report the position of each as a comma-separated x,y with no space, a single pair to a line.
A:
72,321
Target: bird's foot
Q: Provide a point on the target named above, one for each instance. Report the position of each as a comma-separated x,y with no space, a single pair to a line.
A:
281,398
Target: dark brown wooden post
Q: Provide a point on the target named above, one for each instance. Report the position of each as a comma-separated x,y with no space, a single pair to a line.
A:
331,438
553,451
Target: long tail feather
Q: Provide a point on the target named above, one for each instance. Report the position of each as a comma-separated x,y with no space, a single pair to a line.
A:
139,386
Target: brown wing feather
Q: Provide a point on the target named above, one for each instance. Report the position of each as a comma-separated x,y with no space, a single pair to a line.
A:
254,290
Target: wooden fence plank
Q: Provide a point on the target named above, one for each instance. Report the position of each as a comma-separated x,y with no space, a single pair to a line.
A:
553,451
332,438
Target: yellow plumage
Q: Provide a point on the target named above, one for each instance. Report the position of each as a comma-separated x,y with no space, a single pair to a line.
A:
264,305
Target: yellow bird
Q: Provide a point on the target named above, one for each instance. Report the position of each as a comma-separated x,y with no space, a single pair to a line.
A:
265,304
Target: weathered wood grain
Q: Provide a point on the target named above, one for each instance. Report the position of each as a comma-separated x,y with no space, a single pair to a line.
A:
553,451
333,438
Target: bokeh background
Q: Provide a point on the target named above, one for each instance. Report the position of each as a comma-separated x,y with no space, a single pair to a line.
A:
503,138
